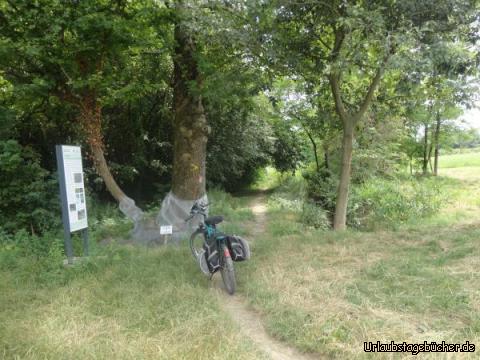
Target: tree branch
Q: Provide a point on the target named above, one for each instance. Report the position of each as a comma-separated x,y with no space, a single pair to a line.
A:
314,145
371,89
334,76
334,79
339,38
325,44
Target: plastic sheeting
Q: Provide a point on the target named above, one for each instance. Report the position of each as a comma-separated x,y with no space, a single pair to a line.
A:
173,212
130,210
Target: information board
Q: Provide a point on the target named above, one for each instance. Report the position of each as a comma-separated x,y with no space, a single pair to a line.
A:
72,189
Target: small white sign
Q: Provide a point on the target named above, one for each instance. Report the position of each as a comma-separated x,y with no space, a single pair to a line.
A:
166,229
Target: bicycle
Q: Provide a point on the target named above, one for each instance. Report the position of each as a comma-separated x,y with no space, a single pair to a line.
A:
215,245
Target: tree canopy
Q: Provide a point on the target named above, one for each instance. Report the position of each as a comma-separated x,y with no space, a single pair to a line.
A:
173,94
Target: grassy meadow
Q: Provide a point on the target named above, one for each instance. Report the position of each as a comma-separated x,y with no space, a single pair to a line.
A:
322,292
460,160
125,302
327,293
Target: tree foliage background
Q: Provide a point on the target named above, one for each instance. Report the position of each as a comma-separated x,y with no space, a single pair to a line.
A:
274,75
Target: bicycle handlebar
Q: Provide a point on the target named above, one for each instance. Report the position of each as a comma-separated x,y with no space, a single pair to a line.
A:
197,208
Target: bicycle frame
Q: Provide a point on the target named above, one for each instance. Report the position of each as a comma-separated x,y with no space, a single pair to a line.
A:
214,241
210,234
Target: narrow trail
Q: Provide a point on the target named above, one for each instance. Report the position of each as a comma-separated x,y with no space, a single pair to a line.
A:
259,209
249,321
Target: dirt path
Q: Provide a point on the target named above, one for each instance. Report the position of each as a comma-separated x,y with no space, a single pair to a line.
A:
259,209
251,325
248,320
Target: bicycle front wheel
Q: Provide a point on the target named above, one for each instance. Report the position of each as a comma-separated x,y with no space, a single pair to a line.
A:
228,272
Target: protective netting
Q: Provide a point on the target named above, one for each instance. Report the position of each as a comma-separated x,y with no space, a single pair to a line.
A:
130,210
173,212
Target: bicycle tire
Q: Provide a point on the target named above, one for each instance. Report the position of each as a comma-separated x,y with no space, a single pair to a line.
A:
195,251
228,271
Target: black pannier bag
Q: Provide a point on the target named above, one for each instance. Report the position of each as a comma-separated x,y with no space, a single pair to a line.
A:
212,257
238,247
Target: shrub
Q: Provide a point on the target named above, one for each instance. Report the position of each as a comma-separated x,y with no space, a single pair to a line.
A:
321,188
291,186
31,257
392,202
314,215
28,194
376,201
289,194
278,201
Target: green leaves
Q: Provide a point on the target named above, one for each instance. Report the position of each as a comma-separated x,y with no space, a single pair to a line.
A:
27,197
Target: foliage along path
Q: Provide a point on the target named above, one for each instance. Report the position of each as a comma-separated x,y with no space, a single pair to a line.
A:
250,321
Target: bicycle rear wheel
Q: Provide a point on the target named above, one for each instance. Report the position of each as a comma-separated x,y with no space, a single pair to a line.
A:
196,243
228,271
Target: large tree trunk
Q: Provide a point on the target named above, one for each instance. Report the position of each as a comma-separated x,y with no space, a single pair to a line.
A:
340,219
437,145
190,134
190,126
425,151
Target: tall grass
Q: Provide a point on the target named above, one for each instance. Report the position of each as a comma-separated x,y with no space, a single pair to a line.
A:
124,302
382,203
327,292
317,290
135,303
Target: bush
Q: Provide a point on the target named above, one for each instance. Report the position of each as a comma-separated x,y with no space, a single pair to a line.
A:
28,194
392,202
278,201
321,188
26,244
33,258
377,200
289,194
314,215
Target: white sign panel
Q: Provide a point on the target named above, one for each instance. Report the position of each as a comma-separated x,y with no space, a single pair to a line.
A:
166,229
75,189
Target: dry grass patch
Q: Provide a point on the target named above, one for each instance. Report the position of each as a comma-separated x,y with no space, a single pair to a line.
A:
136,304
327,293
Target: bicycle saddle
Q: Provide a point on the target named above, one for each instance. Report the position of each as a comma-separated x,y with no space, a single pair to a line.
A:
214,220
